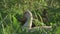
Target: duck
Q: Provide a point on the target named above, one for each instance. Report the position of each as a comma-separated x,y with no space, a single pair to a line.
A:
28,23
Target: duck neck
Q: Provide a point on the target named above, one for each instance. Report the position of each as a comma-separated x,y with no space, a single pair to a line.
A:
28,23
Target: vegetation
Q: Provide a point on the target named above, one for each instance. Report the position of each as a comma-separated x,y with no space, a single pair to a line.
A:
12,10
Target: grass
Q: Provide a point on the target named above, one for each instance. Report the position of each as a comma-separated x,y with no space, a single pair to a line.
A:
12,10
